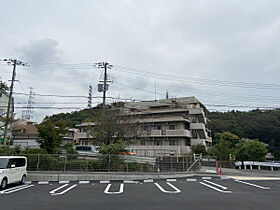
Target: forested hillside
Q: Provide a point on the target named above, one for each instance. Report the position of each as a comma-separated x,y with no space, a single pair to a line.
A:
256,124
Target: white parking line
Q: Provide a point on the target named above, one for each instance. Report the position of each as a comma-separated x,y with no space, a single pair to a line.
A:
83,182
43,182
20,186
191,180
63,182
28,182
108,188
130,182
217,185
148,180
165,191
225,177
254,185
214,188
171,180
207,177
104,182
56,189
15,189
66,190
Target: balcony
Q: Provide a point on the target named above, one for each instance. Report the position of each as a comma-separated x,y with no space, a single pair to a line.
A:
196,111
197,126
185,133
82,135
167,133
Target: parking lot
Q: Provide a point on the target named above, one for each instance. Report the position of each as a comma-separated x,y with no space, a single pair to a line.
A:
191,193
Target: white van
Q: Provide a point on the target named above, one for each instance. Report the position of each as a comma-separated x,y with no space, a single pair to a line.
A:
12,169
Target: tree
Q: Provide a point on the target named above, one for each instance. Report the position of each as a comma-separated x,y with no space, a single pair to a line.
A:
227,136
251,150
50,135
4,87
221,150
112,126
112,149
199,149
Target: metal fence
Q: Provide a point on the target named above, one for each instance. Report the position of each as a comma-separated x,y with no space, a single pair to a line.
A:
109,163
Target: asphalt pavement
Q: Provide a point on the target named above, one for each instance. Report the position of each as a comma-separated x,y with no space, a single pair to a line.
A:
188,193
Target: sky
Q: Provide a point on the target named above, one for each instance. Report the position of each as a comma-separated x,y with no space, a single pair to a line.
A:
225,53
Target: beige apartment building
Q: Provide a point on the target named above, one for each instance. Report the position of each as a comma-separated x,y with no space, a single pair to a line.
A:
169,126
166,127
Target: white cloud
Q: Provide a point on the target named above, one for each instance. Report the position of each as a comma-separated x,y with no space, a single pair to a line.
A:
224,40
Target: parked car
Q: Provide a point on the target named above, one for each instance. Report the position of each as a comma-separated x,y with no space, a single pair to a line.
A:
82,149
12,170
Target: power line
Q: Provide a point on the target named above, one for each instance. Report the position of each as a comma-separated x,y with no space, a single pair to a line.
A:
164,76
195,79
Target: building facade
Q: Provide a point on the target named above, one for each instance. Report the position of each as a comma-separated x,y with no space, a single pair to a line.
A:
25,134
166,127
169,126
4,99
83,136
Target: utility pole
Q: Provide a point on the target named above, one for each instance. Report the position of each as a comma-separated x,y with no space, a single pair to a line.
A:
166,94
105,66
14,62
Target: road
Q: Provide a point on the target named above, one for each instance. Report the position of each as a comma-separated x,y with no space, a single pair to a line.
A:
191,193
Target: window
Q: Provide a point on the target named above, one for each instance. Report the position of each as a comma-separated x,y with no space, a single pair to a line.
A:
158,142
188,142
187,126
173,142
144,128
143,142
12,161
157,127
3,163
20,162
171,127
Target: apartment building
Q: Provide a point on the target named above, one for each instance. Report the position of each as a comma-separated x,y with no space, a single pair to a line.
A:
25,134
82,135
169,126
166,127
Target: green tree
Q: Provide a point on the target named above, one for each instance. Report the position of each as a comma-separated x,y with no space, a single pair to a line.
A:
69,149
221,150
251,150
198,149
4,87
112,149
112,126
227,136
50,135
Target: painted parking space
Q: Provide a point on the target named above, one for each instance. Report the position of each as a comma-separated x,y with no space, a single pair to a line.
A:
14,189
174,190
195,185
132,194
62,189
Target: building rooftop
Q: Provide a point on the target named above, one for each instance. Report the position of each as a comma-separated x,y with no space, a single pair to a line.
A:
184,102
85,124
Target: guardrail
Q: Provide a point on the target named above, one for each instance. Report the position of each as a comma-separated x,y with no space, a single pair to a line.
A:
259,165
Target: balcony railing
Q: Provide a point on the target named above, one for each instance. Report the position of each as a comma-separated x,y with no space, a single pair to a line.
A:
167,133
197,126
